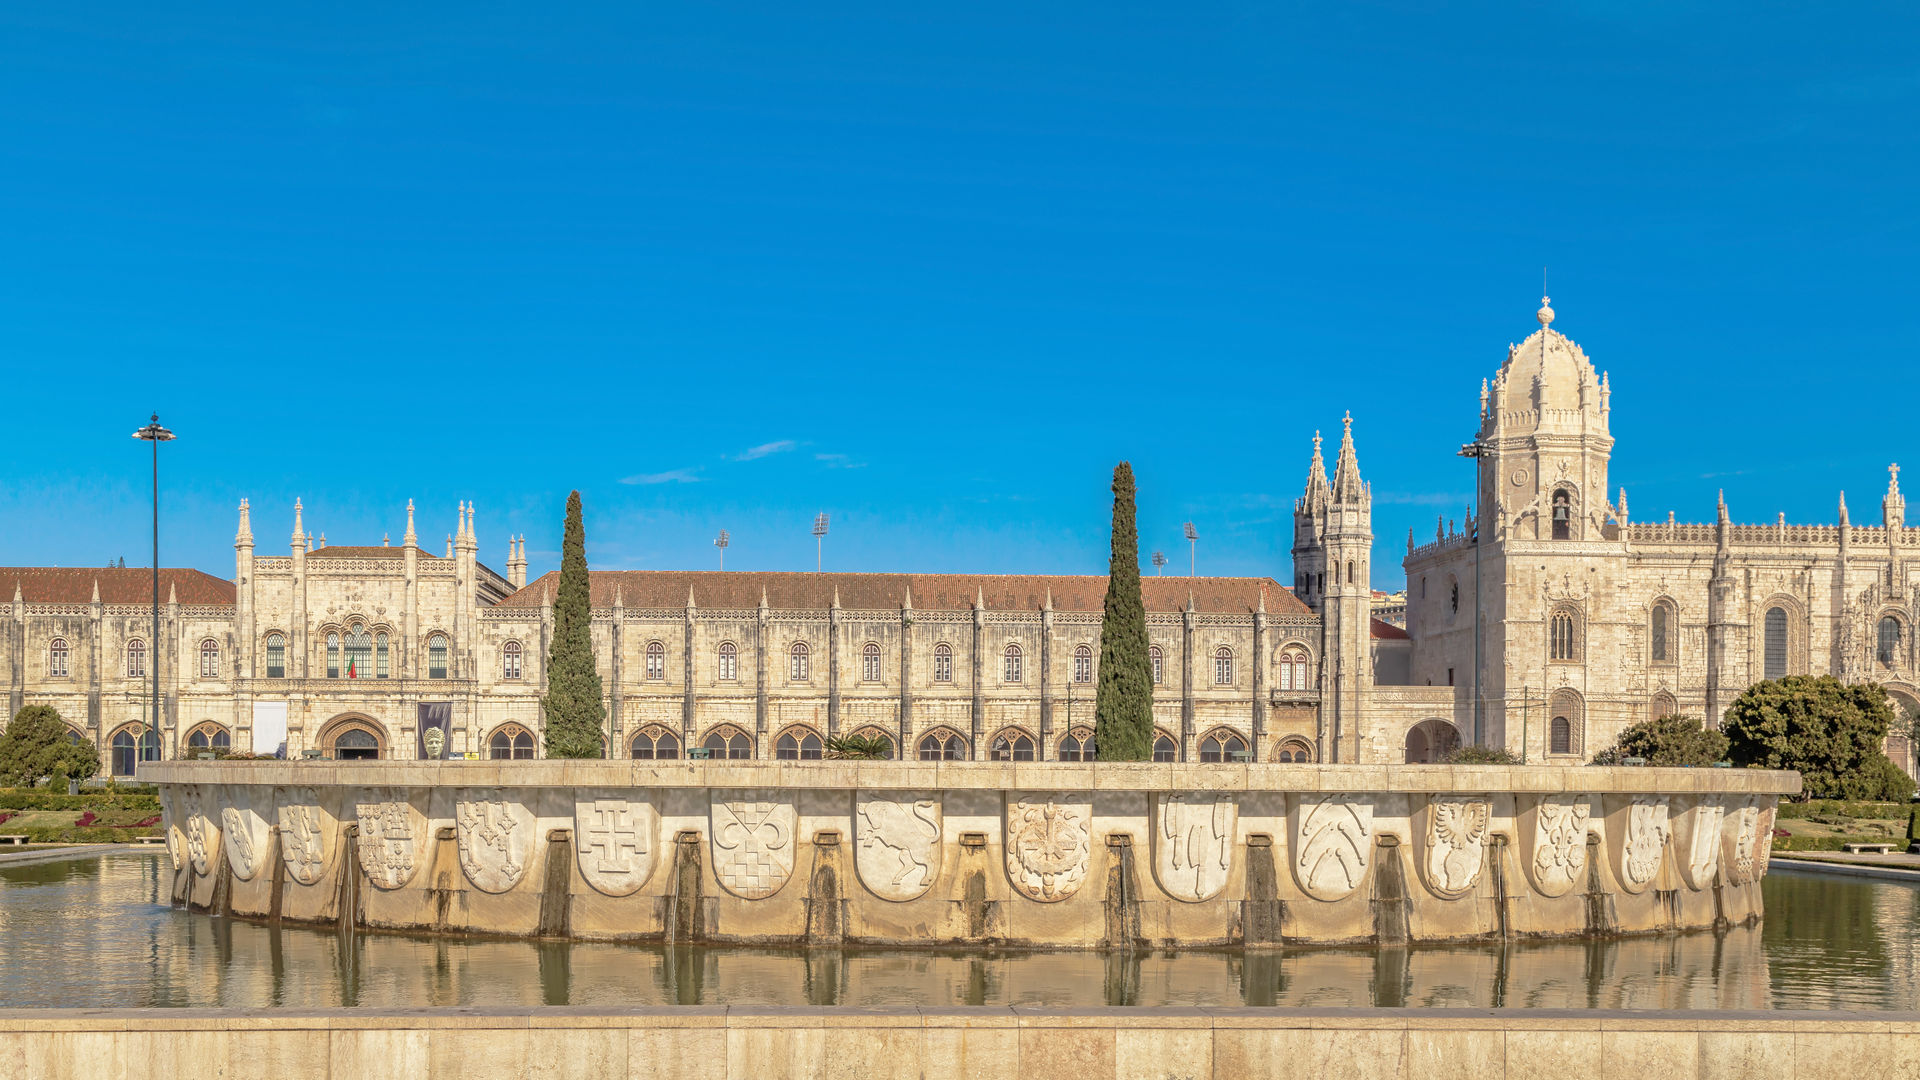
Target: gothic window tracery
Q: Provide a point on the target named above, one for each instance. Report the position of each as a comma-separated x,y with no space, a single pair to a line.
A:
1077,745
1083,664
798,744
1164,748
942,744
1223,746
728,742
1294,750
1775,658
1010,671
1293,668
656,661
510,660
437,657
58,657
510,742
729,657
870,663
209,659
276,656
943,662
1011,745
1563,636
1888,650
136,659
797,666
1660,634
655,743
1223,666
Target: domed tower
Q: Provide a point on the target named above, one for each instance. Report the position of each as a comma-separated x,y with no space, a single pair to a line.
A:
1544,441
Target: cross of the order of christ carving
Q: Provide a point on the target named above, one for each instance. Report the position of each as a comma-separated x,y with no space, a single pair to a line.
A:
613,835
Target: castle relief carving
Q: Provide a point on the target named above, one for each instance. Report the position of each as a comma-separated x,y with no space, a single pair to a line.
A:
618,839
753,843
897,843
1332,839
1049,843
1193,843
496,837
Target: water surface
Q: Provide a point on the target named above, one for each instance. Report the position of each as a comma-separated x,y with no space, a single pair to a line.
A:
96,932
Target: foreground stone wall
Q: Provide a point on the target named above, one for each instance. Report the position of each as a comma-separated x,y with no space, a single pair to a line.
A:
1049,855
1107,1044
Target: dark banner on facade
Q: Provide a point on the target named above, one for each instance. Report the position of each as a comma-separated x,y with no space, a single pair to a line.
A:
435,727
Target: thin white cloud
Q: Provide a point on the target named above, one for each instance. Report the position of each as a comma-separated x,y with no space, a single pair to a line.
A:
671,476
778,446
839,461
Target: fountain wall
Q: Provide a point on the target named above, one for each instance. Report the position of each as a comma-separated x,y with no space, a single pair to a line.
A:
970,853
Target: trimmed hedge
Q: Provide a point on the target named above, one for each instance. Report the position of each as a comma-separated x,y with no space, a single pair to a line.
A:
70,834
1833,843
1888,811
21,799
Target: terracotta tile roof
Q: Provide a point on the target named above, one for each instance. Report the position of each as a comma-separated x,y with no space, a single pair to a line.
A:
931,592
118,585
1386,631
348,551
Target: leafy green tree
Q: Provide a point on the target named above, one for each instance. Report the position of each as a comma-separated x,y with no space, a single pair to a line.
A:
1123,703
573,706
39,743
1668,740
859,747
1828,731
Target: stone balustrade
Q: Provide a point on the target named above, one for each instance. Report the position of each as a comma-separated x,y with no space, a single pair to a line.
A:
976,853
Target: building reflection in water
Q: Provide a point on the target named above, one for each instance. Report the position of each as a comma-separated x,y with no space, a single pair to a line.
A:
92,932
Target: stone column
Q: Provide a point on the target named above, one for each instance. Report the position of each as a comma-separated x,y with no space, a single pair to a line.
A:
95,653
979,718
833,666
1046,678
17,658
1187,735
616,696
686,697
906,673
1260,660
760,672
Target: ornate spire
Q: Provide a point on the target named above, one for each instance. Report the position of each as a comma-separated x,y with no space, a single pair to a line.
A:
1623,506
1047,604
245,533
96,590
1894,506
907,602
1318,489
1346,473
299,530
1843,510
410,540
172,597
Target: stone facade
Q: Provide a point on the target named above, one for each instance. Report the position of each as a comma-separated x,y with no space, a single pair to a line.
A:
1591,622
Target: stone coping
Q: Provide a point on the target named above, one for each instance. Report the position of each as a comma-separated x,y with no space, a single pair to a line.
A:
1003,1016
983,776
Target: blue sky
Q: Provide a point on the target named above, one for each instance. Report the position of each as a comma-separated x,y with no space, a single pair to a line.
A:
931,269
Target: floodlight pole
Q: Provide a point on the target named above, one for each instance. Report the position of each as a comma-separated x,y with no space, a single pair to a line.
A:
1193,546
155,434
1476,450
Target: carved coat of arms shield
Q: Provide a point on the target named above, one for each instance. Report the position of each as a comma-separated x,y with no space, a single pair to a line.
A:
1637,832
897,842
753,842
1332,841
1049,843
1452,835
391,836
495,835
247,836
618,837
1696,835
1193,843
1553,841
202,832
307,834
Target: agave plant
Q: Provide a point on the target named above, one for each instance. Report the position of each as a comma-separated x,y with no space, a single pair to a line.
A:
860,747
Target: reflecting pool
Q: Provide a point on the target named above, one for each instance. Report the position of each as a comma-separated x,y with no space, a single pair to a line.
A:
95,931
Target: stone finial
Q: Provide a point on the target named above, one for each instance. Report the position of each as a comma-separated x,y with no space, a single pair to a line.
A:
1346,473
449,547
763,597
323,538
1047,604
410,540
690,604
1409,539
16,591
386,539
620,596
1261,607
173,599
906,601
1843,509
980,598
244,535
1545,314
836,597
1192,604
299,530
1894,506
1623,506
96,590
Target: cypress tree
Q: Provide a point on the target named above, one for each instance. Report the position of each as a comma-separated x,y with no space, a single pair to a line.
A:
572,705
1123,707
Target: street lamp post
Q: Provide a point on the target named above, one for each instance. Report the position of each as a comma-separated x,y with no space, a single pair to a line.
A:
155,434
1476,450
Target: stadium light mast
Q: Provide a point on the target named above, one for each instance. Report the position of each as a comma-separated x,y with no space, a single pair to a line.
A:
819,541
1476,450
1159,560
721,542
1193,547
155,434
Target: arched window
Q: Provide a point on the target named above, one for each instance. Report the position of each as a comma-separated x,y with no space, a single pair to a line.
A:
1889,640
656,661
510,742
1562,515
1560,738
1293,751
209,659
359,652
1566,728
1775,661
1010,670
1223,666
878,735
1083,664
276,656
1078,745
1011,746
437,657
1293,669
942,744
333,656
1349,571
356,744
728,741
1453,597
943,663
1660,649
1564,643
58,657
656,744
209,737
381,668
870,663
510,655
729,662
136,659
797,744
127,752
1164,748
1223,746
797,662
1159,661
1661,705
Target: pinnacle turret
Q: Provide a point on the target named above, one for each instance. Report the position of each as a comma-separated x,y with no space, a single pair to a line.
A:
1894,506
1347,487
243,537
1318,491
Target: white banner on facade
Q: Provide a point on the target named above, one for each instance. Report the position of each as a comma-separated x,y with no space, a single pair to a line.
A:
270,727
